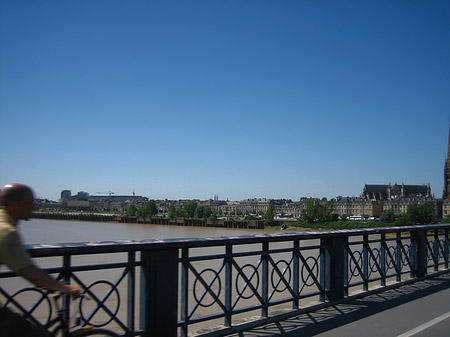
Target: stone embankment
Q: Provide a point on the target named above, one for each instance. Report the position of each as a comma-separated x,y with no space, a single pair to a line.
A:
253,224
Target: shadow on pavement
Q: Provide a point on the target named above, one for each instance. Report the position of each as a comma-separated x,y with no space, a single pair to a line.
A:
320,321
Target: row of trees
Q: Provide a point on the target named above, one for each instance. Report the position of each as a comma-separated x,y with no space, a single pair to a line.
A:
317,212
415,215
191,210
150,209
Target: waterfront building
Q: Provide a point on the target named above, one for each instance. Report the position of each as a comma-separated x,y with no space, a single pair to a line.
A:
115,197
66,194
82,195
400,206
289,208
399,197
46,205
119,204
357,207
229,208
215,204
163,206
392,191
254,206
76,203
111,203
79,201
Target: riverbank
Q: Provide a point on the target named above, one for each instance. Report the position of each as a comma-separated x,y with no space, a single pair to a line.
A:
288,226
218,223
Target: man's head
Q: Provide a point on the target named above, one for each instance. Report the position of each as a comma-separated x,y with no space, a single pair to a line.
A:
18,200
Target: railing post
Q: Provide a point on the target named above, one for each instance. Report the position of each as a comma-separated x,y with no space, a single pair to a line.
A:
365,262
66,279
436,250
184,300
383,270
324,268
159,293
333,268
398,256
446,248
265,280
131,291
345,266
419,253
296,276
228,283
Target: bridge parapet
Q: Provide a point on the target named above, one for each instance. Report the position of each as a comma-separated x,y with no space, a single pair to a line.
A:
176,287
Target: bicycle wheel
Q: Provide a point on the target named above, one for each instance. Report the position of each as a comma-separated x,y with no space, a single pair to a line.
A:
93,332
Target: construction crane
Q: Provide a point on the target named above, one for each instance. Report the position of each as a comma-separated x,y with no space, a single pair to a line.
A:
109,193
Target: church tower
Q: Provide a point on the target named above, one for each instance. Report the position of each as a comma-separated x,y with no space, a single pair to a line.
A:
446,193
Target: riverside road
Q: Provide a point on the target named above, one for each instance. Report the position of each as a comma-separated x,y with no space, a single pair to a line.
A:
419,309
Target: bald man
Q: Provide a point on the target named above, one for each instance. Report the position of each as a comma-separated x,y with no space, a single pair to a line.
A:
18,204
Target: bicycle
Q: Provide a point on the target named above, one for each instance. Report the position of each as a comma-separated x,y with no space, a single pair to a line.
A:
59,325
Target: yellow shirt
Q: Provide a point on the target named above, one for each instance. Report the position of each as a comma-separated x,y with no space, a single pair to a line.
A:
12,252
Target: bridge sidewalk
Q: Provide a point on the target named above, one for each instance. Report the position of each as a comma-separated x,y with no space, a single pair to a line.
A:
389,313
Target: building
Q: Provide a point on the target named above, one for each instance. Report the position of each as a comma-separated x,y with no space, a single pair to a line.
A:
216,205
66,194
393,191
288,208
229,208
254,206
446,208
116,203
400,206
446,192
377,198
359,207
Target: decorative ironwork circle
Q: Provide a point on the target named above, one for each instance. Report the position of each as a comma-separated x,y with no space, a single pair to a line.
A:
407,249
373,258
434,248
356,255
429,253
391,261
89,305
241,290
275,276
32,298
441,253
215,279
306,275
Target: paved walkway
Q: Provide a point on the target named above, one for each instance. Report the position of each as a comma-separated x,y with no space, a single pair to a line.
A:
420,309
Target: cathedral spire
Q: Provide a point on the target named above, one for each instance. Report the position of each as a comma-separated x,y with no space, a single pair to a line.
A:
448,152
446,193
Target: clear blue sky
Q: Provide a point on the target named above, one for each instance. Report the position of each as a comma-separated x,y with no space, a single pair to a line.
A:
237,98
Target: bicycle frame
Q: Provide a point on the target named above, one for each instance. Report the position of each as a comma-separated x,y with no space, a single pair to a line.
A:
59,318
64,325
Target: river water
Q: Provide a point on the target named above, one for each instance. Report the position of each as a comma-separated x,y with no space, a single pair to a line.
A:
56,231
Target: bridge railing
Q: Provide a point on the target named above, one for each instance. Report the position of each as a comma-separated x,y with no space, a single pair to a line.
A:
176,287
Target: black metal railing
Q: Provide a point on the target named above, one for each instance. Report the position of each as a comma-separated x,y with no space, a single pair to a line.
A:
176,287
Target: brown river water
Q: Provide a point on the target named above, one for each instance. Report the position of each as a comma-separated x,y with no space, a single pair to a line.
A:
55,231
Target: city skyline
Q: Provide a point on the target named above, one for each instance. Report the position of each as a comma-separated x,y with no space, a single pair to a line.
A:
241,99
85,195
